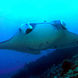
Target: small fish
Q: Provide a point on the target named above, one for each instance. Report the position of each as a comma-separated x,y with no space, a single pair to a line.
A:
34,37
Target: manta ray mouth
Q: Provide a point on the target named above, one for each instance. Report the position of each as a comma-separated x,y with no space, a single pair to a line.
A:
32,27
28,31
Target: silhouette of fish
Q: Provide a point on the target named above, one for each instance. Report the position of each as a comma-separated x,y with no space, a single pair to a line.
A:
34,37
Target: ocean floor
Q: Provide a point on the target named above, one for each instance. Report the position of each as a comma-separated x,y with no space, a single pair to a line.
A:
62,63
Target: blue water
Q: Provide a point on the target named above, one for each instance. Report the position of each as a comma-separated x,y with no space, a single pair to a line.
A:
15,12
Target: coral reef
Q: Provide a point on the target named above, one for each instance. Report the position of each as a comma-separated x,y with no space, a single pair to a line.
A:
67,69
58,64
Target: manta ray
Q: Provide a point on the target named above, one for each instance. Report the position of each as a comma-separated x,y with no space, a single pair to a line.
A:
34,37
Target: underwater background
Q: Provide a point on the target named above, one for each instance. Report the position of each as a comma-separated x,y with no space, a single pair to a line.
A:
13,13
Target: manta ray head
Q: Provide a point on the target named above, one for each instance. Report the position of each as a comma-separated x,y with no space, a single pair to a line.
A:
26,28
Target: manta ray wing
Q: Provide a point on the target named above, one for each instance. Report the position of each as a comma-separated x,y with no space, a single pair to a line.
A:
67,40
12,44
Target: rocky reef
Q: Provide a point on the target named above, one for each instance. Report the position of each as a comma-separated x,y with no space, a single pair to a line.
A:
61,63
66,69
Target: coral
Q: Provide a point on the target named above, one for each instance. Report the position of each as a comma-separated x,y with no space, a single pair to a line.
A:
67,69
66,66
